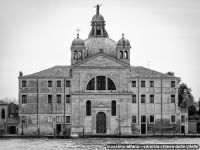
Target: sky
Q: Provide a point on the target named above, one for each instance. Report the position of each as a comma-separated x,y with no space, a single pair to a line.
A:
37,34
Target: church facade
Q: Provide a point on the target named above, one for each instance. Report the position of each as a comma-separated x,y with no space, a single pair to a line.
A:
99,93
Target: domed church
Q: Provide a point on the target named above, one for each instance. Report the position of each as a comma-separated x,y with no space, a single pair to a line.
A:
100,93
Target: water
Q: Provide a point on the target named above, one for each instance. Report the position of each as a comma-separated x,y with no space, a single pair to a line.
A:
85,144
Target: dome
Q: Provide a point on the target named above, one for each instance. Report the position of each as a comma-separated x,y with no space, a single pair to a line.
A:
97,17
78,42
95,45
123,42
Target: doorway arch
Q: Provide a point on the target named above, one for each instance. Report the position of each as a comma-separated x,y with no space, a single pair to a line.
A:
101,122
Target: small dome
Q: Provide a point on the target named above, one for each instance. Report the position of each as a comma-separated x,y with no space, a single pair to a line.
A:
97,17
95,45
123,42
78,42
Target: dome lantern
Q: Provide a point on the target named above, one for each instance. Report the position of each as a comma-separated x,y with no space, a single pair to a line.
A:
98,25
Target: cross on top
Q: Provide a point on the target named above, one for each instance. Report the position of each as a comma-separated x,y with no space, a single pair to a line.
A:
78,30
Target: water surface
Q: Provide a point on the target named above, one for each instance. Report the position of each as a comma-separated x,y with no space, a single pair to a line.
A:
85,144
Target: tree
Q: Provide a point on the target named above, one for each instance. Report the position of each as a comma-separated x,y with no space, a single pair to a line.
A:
170,73
185,97
192,110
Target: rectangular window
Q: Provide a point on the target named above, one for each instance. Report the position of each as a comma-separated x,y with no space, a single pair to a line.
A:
67,119
151,98
143,99
182,118
49,83
172,83
58,98
24,99
142,83
58,119
58,83
24,84
151,119
143,119
151,83
68,84
49,119
101,83
50,99
173,119
133,98
134,119
68,98
133,83
172,98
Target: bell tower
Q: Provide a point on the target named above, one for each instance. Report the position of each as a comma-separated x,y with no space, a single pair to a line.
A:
77,50
123,50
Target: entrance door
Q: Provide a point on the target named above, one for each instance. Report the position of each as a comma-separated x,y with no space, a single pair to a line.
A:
12,129
58,129
101,122
182,129
143,128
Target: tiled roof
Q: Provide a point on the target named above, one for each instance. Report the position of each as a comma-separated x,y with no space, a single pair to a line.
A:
64,71
138,71
53,72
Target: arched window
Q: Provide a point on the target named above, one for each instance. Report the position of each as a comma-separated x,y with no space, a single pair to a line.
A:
113,108
91,84
88,108
121,55
80,55
126,55
75,55
98,30
3,114
111,85
99,83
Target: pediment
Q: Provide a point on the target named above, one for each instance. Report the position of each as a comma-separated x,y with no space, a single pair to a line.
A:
100,105
102,60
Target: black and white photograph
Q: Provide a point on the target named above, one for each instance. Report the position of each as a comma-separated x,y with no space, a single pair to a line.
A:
99,74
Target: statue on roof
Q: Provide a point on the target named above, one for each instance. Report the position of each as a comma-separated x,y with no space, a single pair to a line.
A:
97,6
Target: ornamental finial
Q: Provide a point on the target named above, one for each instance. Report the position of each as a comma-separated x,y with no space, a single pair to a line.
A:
78,30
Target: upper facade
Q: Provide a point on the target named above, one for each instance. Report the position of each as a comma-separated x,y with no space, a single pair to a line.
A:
98,41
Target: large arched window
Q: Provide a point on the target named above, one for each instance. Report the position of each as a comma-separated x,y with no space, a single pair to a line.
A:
113,108
101,83
88,108
91,84
3,114
111,85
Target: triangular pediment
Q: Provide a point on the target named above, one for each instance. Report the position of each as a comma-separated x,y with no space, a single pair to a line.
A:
101,105
102,60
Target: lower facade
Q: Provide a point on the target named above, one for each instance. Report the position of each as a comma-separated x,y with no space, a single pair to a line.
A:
102,123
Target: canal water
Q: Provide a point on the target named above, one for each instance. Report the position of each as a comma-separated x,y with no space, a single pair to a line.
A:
84,144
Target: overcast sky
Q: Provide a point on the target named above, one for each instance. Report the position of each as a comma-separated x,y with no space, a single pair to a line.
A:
37,34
